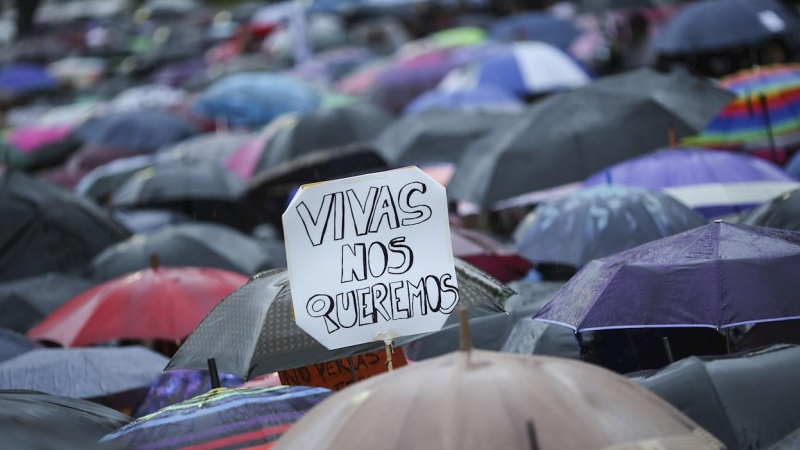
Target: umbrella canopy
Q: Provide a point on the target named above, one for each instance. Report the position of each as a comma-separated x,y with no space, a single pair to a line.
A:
598,222
31,138
190,245
88,373
713,183
716,276
782,212
46,229
147,97
254,99
486,98
323,129
331,65
766,104
717,25
23,79
223,418
718,394
157,303
535,26
13,344
596,6
252,332
100,183
488,254
553,402
176,386
568,136
788,443
51,413
436,135
148,220
136,131
523,68
213,148
27,301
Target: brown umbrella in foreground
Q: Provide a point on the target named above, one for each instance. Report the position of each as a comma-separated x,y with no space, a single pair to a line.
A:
485,400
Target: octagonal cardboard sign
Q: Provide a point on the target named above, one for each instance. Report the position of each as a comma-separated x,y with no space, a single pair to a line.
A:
370,258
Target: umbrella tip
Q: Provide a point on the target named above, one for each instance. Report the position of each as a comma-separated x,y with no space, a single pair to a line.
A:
154,261
463,327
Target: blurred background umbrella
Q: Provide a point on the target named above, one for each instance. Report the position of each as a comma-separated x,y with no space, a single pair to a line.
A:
25,302
147,97
781,212
137,131
147,220
13,344
478,98
46,229
535,26
157,303
213,148
222,418
717,394
101,182
252,332
601,221
713,183
24,79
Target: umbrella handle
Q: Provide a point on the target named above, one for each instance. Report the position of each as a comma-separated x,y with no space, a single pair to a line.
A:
212,372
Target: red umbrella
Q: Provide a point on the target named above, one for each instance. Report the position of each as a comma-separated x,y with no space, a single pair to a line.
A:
158,303
488,254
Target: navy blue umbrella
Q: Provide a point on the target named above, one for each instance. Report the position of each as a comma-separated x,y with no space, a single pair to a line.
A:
22,79
138,131
535,26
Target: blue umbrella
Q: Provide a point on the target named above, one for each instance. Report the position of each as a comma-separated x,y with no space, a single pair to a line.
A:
176,386
715,25
715,183
793,166
13,344
138,131
535,26
21,79
598,222
479,98
254,99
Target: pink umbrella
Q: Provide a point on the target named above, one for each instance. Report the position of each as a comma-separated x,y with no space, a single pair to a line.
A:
244,160
29,139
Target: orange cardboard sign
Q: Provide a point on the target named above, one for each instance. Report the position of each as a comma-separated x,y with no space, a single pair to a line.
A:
336,375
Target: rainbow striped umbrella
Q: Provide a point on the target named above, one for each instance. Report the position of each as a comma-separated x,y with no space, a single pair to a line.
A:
222,418
743,123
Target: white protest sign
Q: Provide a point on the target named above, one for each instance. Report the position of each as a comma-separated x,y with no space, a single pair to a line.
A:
369,257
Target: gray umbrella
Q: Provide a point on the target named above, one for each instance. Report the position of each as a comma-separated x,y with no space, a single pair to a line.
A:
212,148
251,332
437,135
747,401
567,137
167,184
27,301
189,245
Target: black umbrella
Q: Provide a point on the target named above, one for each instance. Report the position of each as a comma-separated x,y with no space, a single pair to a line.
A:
35,420
47,229
747,401
437,135
13,344
204,193
251,332
323,129
188,245
790,442
782,212
569,136
27,301
604,5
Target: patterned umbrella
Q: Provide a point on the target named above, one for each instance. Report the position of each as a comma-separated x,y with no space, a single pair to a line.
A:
223,418
177,386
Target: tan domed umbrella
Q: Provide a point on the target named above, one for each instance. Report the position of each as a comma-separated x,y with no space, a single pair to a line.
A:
487,400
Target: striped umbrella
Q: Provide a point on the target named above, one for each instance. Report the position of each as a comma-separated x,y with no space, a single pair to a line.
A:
768,101
222,418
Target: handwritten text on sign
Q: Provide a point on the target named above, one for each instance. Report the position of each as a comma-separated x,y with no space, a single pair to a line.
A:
338,374
370,255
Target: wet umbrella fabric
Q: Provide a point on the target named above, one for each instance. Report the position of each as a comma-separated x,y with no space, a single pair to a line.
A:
13,344
254,99
148,220
27,301
224,418
46,229
535,26
716,276
87,373
160,303
100,183
176,386
714,183
477,99
716,25
718,394
214,148
488,254
598,222
189,245
782,212
323,129
562,400
788,443
252,333
137,131
571,135
437,136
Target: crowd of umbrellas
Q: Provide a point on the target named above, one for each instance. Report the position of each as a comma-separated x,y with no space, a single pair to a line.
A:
624,193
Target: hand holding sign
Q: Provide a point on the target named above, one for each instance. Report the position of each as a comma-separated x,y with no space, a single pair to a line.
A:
369,257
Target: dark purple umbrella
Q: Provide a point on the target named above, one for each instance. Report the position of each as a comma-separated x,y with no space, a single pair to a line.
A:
717,276
178,73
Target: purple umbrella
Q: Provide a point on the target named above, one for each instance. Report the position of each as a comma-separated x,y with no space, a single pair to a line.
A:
478,98
176,386
716,276
715,183
21,79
